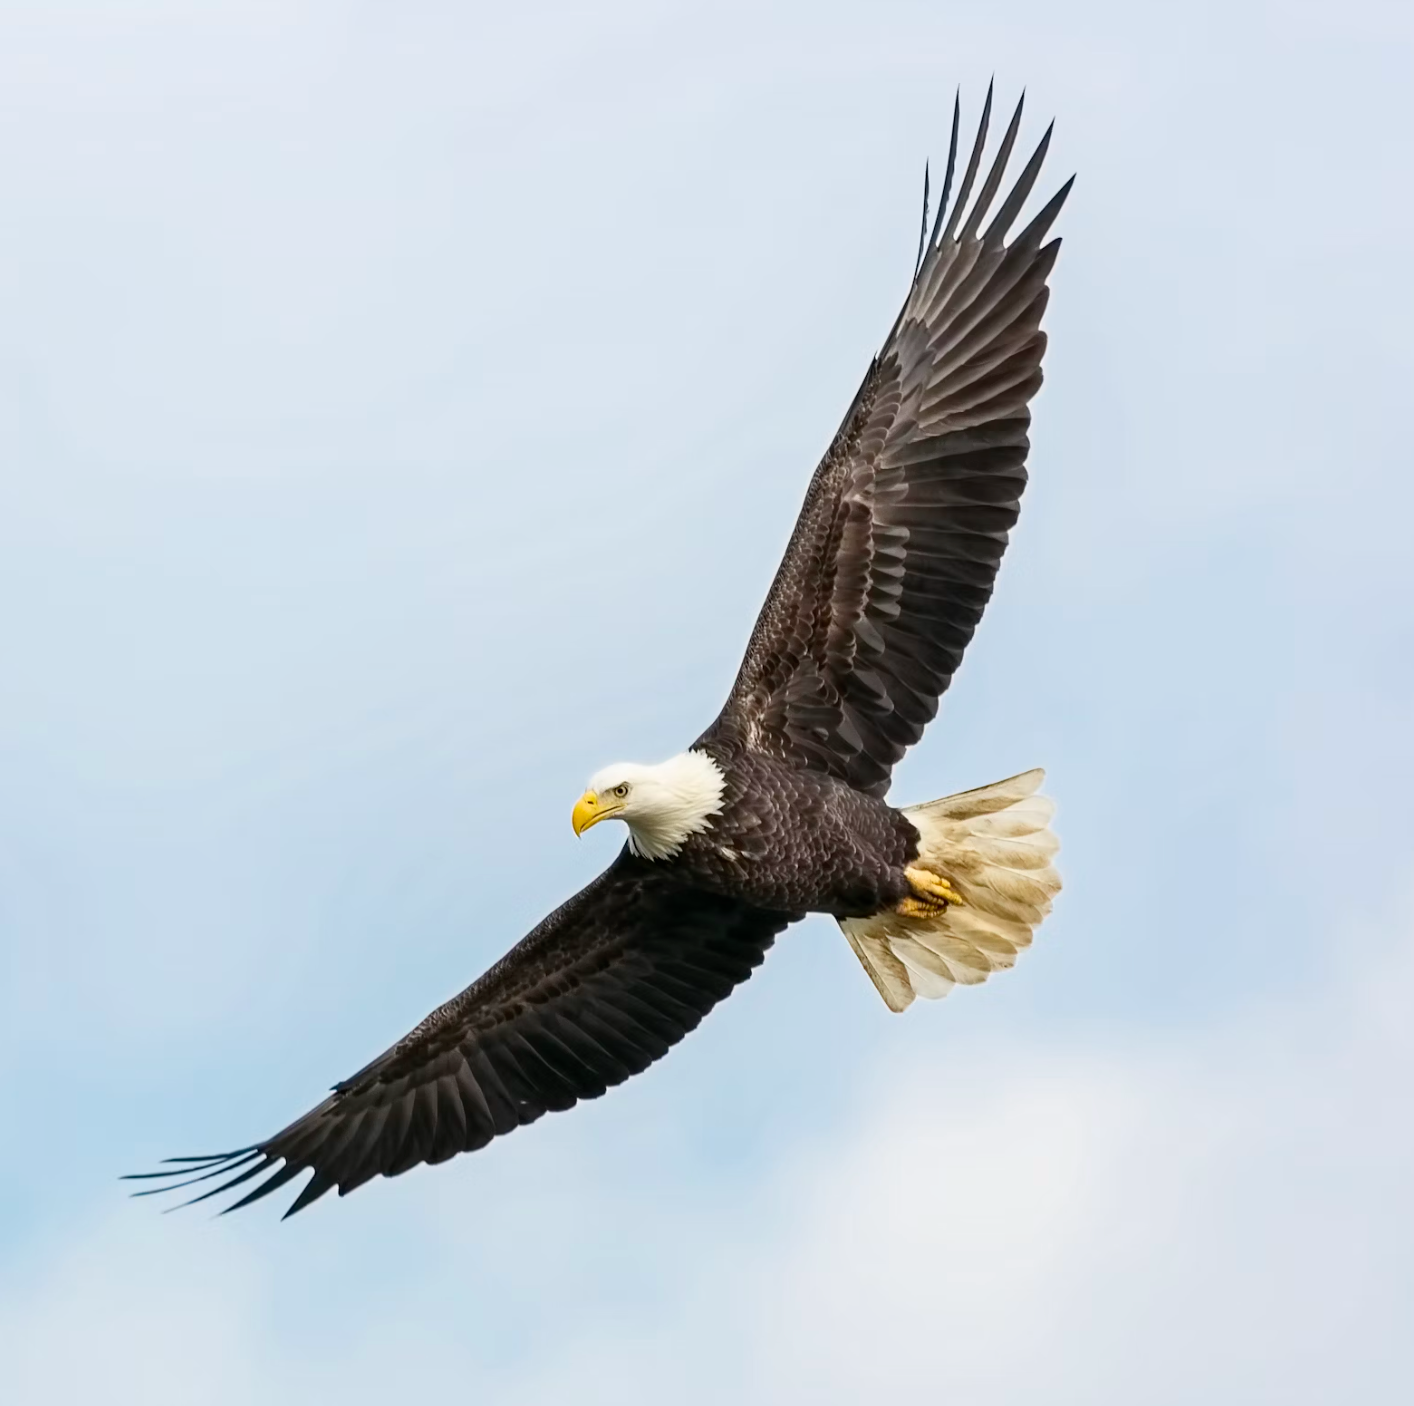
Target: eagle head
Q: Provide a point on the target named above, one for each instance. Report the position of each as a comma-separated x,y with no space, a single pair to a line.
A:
662,805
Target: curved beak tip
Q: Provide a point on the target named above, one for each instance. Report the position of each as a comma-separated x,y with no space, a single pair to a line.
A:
586,812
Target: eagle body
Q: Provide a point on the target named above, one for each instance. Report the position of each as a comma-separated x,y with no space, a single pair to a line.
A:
798,841
779,807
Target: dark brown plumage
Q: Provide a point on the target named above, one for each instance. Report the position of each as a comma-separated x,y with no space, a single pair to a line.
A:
896,550
887,573
604,986
798,840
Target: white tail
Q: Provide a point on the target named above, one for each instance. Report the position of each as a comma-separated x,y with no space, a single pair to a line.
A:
994,846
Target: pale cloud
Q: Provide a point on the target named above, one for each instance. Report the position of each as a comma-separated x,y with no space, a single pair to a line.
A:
1214,1215
1217,1216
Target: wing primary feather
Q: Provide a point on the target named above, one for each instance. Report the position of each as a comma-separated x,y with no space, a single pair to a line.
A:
271,1183
923,225
180,1171
235,1181
208,1157
264,1164
1036,231
952,166
973,161
1024,182
220,1170
312,1190
988,193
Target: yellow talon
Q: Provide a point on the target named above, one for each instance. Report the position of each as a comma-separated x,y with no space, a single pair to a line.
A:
928,885
918,908
948,892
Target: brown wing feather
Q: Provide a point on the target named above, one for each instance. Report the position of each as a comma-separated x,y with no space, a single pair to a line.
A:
605,986
896,549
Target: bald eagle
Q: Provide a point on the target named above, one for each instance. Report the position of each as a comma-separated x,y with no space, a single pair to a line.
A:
777,810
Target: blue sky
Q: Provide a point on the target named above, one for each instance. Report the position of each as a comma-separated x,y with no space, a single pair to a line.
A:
402,414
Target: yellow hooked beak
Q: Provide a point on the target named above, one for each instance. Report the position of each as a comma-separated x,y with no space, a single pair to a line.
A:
590,810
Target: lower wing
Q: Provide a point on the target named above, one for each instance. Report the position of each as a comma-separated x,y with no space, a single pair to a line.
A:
605,986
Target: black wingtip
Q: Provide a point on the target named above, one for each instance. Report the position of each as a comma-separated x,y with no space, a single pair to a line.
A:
180,1166
923,226
993,180
951,167
1011,207
312,1190
970,174
273,1182
179,1173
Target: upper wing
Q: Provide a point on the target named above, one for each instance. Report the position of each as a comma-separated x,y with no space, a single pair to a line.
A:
894,554
602,988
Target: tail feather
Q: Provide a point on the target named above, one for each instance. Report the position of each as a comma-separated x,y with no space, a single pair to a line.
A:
995,847
885,969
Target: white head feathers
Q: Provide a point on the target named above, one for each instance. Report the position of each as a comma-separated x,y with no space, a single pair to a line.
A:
662,805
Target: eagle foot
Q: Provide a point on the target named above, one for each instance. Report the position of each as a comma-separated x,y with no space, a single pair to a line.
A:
932,894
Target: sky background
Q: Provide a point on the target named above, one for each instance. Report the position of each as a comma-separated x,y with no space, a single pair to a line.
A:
402,413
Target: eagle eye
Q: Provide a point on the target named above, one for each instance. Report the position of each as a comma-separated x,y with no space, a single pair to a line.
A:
621,789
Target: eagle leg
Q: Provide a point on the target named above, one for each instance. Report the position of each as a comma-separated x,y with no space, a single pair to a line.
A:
931,895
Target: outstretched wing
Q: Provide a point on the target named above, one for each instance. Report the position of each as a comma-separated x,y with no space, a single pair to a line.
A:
896,549
607,984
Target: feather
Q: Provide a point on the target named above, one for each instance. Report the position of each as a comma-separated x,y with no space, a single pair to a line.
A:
605,986
987,842
905,523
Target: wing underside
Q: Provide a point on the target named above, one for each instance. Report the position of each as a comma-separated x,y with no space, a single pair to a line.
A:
896,549
605,986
